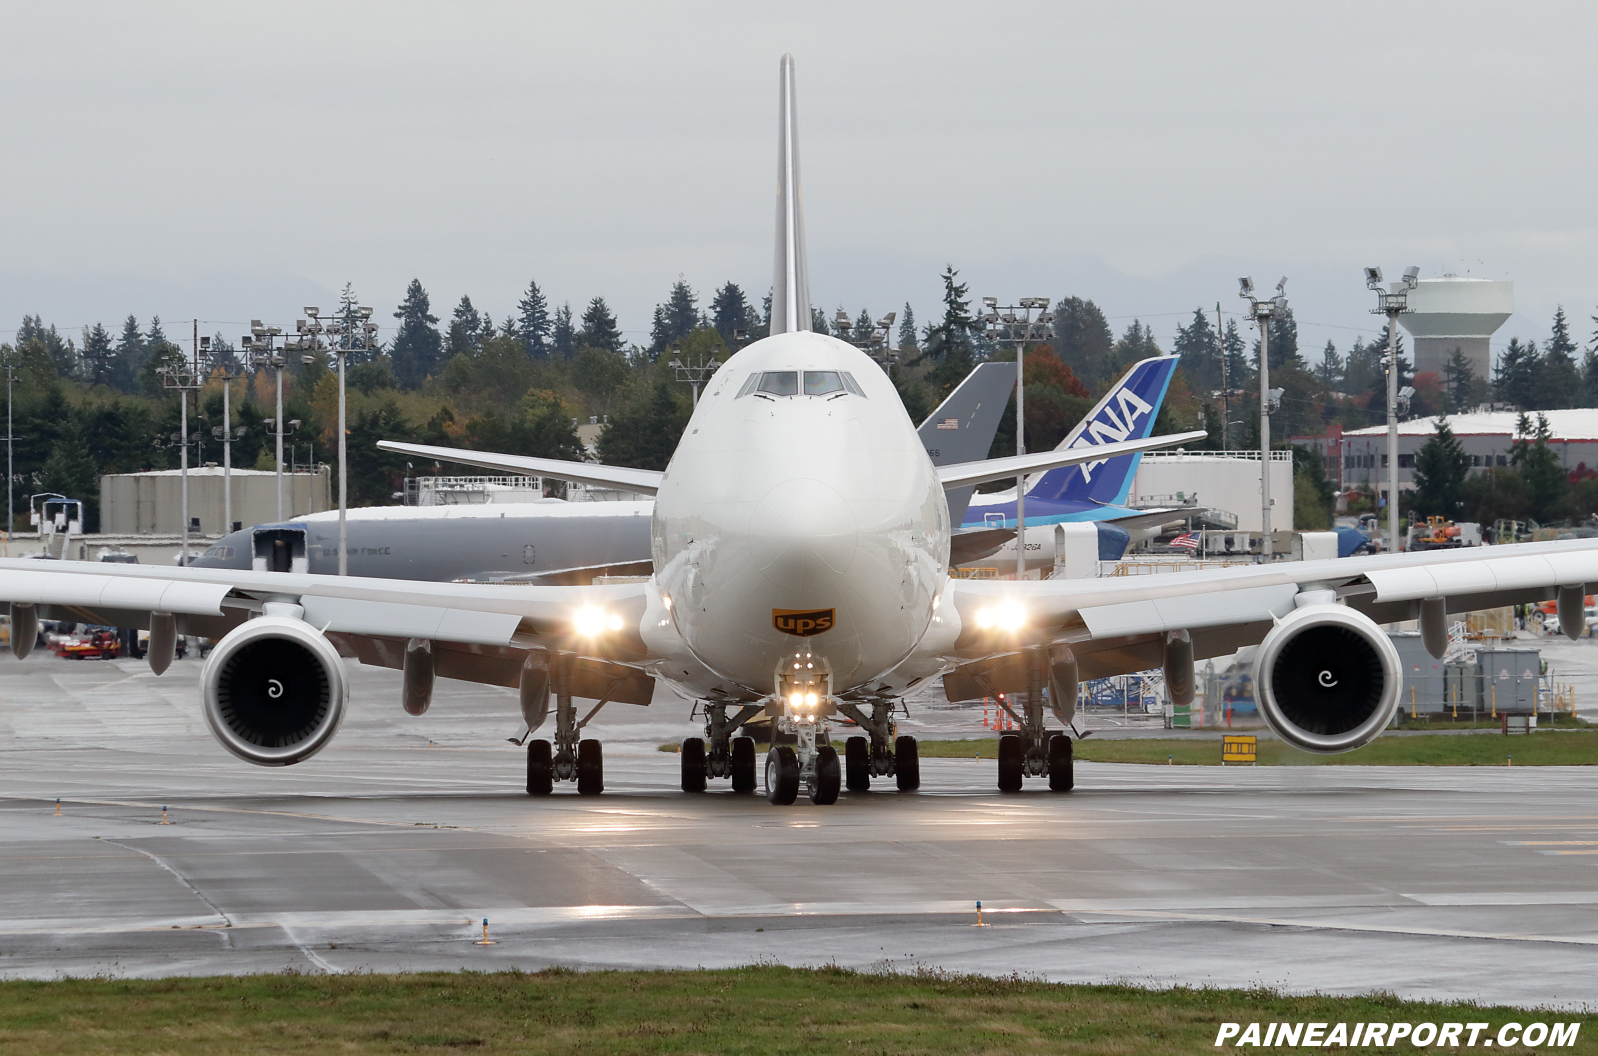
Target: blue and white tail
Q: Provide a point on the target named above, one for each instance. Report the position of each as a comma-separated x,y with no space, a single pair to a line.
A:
1126,412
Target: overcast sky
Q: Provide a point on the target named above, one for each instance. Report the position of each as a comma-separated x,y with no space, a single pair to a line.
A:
224,161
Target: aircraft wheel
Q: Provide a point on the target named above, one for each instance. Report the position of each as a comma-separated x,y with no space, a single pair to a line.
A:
743,764
693,765
590,768
829,777
782,775
540,769
1061,775
1011,757
907,764
857,764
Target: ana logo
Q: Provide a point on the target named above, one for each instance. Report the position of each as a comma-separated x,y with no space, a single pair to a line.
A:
1110,428
802,623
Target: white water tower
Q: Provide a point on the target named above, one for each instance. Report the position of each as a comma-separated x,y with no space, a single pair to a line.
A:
1454,312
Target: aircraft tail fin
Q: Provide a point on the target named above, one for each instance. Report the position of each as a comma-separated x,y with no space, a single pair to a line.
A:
1127,412
963,426
790,281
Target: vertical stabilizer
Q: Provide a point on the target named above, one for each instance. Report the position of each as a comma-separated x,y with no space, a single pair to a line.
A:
790,283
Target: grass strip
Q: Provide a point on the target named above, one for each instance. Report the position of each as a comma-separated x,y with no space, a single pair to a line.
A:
753,1010
1537,749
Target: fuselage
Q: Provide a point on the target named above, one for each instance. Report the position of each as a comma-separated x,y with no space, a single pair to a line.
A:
800,514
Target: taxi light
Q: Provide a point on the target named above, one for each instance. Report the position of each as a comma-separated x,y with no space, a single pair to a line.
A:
614,623
812,700
796,699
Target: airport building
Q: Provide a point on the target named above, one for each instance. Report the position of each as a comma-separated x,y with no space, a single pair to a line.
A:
1226,483
1358,458
151,503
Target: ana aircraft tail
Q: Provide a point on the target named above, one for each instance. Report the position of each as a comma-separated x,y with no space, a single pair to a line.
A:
1126,412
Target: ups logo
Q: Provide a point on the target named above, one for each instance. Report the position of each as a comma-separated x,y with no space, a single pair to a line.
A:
802,622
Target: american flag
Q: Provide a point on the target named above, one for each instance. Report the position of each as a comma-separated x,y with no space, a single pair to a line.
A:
949,423
1187,541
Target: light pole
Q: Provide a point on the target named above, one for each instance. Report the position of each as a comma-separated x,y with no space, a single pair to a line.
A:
184,376
227,373
694,371
1263,312
260,341
11,478
1002,325
872,340
352,330
1392,302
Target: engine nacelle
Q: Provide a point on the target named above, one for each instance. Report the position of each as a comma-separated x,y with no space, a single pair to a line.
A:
1327,679
274,691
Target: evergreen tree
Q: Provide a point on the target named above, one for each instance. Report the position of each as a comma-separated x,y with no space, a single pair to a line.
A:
1589,376
949,344
1441,466
1200,348
417,346
98,355
1284,342
464,326
61,352
1461,387
532,322
1560,381
673,320
1330,368
818,321
1237,369
563,338
644,432
1083,340
155,337
907,328
1546,482
1137,343
1517,376
599,328
729,312
128,359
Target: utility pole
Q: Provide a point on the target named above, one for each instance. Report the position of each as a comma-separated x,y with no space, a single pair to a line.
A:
1263,312
1226,413
1002,324
1392,302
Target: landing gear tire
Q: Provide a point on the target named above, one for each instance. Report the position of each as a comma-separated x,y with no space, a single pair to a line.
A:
540,769
743,764
1061,775
829,777
907,764
857,764
590,768
693,765
782,775
1012,756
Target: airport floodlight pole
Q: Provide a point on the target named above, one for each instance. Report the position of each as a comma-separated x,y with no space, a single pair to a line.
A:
1015,325
1392,302
695,371
1262,312
182,375
872,340
261,341
227,372
11,478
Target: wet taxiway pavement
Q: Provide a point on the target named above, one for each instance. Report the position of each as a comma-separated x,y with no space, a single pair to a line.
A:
386,851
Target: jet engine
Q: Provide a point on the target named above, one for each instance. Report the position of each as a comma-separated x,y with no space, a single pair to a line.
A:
274,691
1327,679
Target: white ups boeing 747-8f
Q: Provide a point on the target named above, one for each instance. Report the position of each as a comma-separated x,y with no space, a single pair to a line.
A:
800,550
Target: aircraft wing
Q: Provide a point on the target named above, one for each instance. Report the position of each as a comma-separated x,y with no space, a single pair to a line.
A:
642,481
354,610
963,473
1116,625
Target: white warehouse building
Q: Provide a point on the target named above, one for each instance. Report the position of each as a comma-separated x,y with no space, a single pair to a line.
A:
1225,482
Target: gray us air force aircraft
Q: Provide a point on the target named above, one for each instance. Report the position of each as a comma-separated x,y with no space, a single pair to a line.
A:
800,550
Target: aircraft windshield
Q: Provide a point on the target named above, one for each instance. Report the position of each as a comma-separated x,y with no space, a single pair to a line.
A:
786,383
822,382
779,382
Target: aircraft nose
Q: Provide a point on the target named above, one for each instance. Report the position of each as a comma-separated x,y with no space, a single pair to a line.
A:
803,535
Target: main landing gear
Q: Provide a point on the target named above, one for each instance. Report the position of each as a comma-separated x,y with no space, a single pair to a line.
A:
571,757
719,754
1033,751
879,753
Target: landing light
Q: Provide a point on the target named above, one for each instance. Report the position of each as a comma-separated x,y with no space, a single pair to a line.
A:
590,621
812,699
1005,616
797,699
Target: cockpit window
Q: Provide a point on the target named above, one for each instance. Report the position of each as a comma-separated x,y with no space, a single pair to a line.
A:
852,385
823,383
749,386
779,382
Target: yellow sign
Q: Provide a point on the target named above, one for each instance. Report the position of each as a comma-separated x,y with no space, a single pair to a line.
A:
1237,748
